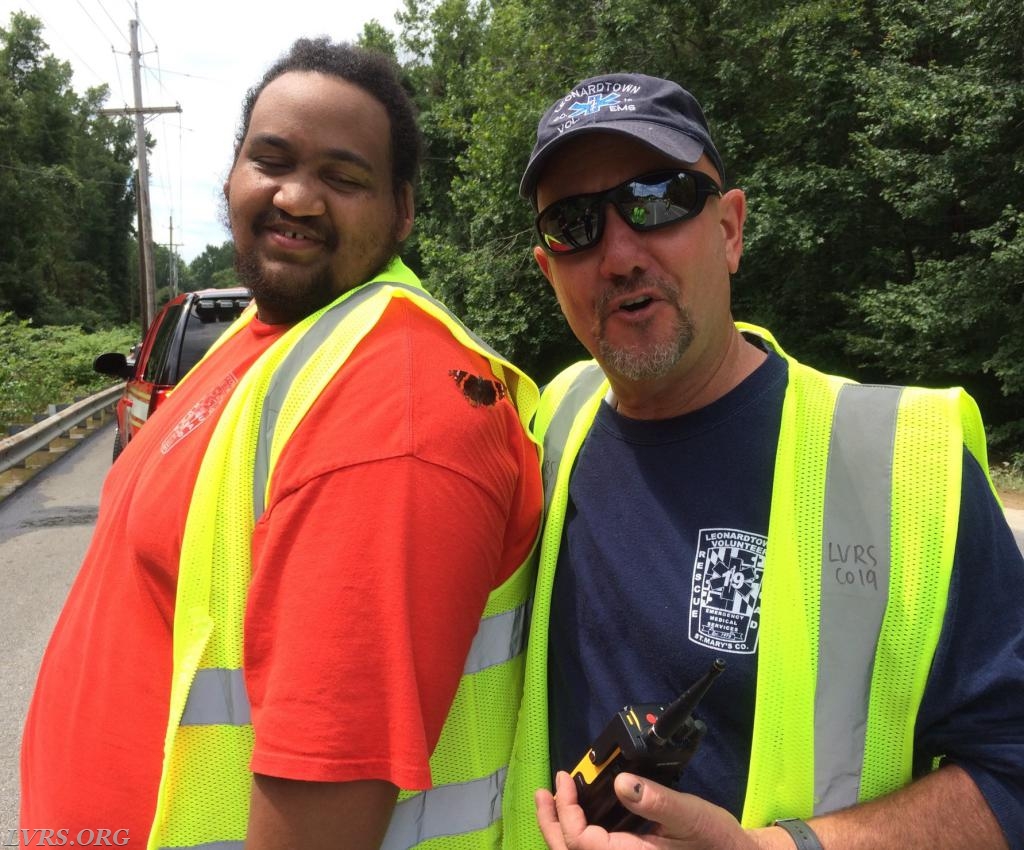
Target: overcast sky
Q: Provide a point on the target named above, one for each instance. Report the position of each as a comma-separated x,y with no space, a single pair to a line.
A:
202,55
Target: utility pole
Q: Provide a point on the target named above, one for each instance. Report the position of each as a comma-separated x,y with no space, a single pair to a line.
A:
173,274
147,266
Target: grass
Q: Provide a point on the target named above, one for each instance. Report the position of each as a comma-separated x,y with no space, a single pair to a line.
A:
1008,477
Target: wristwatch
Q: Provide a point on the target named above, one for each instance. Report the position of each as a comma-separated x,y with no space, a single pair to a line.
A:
801,833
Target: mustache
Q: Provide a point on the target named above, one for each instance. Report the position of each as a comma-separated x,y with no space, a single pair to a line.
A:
316,225
626,284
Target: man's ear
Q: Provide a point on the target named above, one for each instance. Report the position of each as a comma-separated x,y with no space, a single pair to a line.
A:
733,206
405,213
543,261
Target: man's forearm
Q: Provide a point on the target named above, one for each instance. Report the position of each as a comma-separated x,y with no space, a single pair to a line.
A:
941,811
287,814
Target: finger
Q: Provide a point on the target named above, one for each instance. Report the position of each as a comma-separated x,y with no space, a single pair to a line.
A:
547,819
570,813
682,817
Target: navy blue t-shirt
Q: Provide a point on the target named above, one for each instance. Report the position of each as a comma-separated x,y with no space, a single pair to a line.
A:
654,506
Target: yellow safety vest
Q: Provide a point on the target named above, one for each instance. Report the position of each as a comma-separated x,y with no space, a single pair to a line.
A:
205,784
860,470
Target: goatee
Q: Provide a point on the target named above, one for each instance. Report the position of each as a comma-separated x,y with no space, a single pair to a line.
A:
656,358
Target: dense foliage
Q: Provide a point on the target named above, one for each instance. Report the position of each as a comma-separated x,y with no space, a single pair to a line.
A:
40,366
66,201
68,252
881,146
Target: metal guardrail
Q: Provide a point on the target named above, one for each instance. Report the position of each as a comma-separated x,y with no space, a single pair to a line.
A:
16,448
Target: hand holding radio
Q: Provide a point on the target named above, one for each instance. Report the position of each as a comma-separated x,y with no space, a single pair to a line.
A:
651,740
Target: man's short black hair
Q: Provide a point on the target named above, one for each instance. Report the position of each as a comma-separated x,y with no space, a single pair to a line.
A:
375,73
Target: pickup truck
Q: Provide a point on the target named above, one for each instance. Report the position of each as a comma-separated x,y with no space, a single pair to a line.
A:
179,336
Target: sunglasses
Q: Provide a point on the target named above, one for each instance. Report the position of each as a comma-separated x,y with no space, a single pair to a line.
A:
645,203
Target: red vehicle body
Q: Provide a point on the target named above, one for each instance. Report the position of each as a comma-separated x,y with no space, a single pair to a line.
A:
179,336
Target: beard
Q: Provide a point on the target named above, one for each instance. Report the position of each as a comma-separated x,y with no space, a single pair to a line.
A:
646,361
294,292
293,295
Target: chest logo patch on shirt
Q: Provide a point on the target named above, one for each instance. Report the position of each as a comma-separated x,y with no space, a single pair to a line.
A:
198,414
725,601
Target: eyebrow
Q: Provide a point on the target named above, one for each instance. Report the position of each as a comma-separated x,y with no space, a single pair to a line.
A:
336,154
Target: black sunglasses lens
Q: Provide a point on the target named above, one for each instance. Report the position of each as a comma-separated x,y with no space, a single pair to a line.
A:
650,202
570,224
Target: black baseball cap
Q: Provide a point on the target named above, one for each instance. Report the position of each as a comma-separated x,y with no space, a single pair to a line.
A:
660,113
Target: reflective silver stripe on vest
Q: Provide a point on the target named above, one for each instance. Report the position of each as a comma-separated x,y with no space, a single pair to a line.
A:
446,810
217,696
580,391
499,639
213,845
295,359
856,549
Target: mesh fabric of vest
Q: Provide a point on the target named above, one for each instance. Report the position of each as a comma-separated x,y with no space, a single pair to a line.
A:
927,464
529,768
204,792
924,532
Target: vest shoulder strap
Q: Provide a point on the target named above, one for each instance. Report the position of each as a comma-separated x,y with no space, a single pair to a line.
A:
860,548
561,403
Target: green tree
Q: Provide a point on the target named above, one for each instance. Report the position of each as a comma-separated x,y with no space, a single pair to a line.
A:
213,268
942,140
879,146
376,37
65,200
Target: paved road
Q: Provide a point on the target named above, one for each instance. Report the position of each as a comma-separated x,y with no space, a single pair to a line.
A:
45,528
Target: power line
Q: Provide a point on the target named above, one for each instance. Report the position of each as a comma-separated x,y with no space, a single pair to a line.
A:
190,76
70,45
146,268
156,47
67,43
167,187
37,172
92,20
134,7
110,18
156,75
120,82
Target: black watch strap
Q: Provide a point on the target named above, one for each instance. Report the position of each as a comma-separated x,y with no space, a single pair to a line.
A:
801,833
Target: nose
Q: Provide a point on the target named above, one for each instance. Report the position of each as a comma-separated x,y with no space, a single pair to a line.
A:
299,195
623,252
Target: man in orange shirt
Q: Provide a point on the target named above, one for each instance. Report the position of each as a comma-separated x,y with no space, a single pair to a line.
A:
404,504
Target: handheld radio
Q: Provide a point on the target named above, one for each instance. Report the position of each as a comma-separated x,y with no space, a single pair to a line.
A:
651,740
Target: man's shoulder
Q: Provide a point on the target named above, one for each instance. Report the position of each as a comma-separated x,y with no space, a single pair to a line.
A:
408,381
407,324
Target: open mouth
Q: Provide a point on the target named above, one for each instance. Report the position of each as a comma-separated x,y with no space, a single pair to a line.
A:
635,304
293,240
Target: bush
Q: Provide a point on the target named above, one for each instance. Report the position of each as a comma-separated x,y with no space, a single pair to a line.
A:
40,366
1008,475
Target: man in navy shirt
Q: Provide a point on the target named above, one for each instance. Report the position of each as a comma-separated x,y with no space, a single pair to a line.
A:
657,543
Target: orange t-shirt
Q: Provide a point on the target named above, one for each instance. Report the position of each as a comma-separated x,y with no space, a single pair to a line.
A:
400,502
